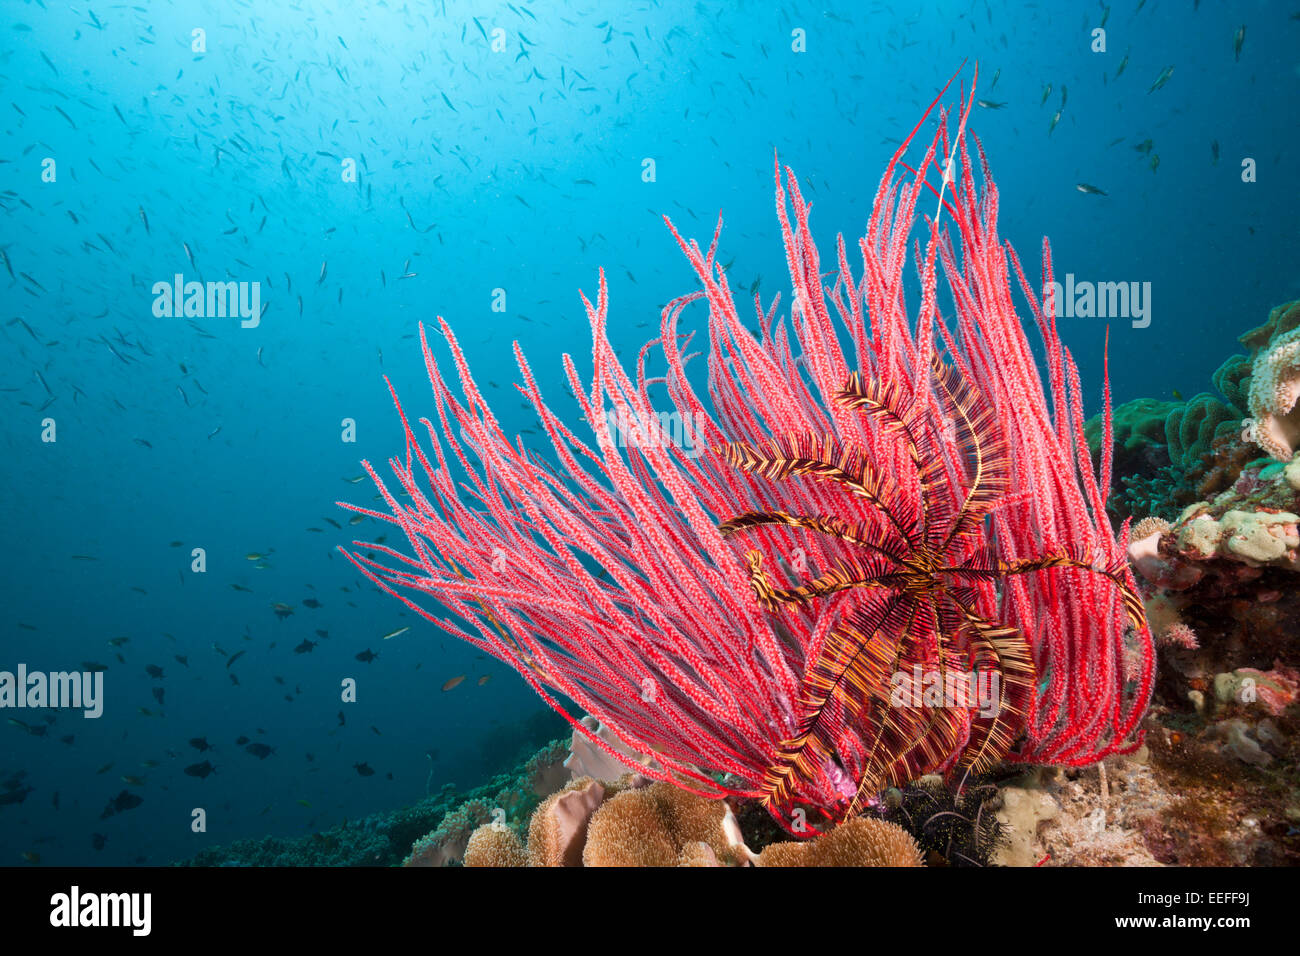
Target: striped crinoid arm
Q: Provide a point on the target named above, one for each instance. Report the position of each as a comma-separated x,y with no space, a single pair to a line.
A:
974,430
1001,649
809,455
848,718
848,671
888,404
844,574
986,568
885,402
903,740
864,534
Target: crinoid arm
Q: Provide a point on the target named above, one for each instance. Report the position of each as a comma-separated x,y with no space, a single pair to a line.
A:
887,403
844,574
850,720
883,401
841,699
979,443
864,534
809,455
999,649
987,568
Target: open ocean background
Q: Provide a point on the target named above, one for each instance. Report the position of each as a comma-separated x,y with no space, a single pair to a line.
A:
478,170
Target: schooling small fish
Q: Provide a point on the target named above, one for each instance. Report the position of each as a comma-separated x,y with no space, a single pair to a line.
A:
1162,79
453,683
1089,189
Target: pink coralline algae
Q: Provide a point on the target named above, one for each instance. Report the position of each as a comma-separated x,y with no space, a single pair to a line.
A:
1179,636
599,573
1276,690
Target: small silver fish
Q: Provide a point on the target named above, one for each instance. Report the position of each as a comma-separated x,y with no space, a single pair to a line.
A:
1162,79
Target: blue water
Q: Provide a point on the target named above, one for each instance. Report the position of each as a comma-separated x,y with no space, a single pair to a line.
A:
520,170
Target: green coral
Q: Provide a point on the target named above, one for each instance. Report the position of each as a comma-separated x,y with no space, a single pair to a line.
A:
1137,425
1193,425
1281,320
1232,379
1162,448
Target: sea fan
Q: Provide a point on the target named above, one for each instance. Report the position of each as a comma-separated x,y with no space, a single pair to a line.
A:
954,517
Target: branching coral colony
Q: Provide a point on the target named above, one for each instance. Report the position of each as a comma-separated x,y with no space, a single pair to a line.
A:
923,501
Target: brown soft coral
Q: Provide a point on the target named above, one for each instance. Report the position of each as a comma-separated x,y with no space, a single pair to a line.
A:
495,844
557,832
860,842
652,826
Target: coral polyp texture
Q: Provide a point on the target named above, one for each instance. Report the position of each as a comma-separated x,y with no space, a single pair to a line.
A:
1274,424
735,609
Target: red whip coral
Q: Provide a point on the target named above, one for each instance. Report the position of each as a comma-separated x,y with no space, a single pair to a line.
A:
601,575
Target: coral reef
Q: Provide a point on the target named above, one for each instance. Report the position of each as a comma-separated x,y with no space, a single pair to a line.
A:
634,821
1222,771
632,577
1228,544
446,844
1162,448
1274,424
433,832
1169,454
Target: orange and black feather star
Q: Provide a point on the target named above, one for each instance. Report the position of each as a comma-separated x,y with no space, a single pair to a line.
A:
918,584
906,618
